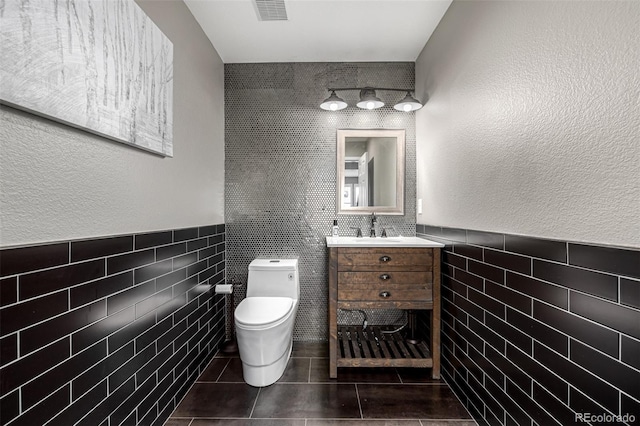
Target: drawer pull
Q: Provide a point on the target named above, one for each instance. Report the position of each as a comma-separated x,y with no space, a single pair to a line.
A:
385,277
385,294
385,259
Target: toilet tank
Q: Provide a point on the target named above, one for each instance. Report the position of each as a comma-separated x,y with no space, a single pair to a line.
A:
273,278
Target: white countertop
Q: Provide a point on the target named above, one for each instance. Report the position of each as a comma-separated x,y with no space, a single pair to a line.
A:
381,242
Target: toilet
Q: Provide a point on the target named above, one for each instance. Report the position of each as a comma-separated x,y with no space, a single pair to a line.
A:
264,320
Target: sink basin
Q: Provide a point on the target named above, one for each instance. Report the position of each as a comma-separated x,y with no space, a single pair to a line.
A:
381,242
371,240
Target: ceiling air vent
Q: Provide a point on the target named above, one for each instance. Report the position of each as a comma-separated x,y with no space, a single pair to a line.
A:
271,10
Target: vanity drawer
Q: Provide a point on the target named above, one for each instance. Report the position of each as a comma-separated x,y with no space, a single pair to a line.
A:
385,259
386,294
382,279
385,286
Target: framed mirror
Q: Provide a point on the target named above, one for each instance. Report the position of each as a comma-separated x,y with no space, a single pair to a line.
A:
370,171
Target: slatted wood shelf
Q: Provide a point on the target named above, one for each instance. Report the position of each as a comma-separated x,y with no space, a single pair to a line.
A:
370,347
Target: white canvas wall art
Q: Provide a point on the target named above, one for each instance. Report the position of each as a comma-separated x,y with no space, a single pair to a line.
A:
99,65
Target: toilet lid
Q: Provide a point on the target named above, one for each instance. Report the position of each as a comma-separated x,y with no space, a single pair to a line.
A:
254,311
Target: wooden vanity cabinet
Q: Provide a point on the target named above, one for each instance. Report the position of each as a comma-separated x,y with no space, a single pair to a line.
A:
383,278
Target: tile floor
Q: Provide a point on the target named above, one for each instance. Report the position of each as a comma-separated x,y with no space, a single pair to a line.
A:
305,396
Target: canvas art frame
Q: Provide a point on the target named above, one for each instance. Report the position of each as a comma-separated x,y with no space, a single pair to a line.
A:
99,65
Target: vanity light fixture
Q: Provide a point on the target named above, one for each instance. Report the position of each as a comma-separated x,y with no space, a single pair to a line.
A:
409,103
369,100
333,103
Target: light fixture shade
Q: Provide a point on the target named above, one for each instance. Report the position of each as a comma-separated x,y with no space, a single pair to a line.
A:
409,103
333,103
369,100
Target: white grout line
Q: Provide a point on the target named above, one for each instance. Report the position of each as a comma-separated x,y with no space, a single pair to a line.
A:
20,409
620,290
255,403
223,369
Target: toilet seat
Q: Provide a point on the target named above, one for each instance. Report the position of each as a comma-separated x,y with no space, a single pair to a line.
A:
257,313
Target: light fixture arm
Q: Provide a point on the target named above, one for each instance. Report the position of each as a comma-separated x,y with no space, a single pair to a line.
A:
372,88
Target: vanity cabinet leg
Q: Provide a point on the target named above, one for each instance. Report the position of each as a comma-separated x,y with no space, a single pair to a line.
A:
435,345
333,313
333,347
435,316
333,365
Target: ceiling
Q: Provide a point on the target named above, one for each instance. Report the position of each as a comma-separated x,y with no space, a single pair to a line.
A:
320,30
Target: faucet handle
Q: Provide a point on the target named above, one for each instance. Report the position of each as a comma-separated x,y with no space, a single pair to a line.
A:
358,231
384,231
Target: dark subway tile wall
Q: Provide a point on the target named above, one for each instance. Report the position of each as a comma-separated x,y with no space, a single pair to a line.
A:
550,329
109,330
24,259
100,248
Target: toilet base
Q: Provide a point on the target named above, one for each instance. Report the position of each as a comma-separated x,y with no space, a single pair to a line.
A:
266,375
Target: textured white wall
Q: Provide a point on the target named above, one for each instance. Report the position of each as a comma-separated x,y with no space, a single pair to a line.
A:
533,121
60,183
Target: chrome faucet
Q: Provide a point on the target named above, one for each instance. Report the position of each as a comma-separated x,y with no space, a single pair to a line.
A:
358,231
372,234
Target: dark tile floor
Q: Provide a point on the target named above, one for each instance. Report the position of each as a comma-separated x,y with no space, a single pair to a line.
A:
305,396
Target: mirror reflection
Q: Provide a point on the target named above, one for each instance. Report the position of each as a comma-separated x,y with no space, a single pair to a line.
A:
370,171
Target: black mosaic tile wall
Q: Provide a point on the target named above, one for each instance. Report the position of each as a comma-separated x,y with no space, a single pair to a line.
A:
538,331
108,331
